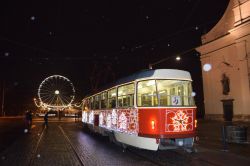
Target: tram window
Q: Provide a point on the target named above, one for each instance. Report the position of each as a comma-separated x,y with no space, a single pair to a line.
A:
170,90
86,104
104,100
92,103
163,97
97,102
112,98
126,95
146,94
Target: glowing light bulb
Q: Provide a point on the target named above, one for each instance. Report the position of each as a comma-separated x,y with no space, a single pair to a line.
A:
57,92
207,67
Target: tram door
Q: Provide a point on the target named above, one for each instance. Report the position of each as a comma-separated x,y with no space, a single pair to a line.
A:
96,120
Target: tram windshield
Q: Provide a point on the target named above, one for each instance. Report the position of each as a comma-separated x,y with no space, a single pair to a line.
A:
152,93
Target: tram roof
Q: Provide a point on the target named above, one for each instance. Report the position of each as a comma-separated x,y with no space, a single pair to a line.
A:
156,74
151,74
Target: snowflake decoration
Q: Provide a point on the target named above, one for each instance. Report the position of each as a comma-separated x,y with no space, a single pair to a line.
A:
114,117
91,117
101,119
84,116
122,121
109,121
180,121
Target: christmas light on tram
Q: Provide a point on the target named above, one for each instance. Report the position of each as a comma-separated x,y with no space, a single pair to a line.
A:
152,109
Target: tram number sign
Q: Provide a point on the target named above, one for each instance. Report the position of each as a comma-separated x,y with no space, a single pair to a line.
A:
175,100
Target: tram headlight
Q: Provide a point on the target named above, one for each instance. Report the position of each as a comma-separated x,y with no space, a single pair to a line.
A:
179,142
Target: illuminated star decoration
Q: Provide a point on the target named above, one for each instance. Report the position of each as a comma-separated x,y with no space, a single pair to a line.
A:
180,121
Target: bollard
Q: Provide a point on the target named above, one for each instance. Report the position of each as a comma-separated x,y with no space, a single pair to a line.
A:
224,142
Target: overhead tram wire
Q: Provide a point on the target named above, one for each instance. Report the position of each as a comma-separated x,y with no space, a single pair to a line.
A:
26,46
172,56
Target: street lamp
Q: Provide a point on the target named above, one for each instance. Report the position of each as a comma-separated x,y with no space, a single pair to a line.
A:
178,58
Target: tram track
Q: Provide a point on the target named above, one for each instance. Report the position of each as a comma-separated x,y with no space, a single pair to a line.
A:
168,158
36,148
71,145
35,151
144,158
160,158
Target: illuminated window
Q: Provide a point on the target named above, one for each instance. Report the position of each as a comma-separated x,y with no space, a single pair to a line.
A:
126,95
146,94
86,104
174,93
104,100
112,98
97,102
91,102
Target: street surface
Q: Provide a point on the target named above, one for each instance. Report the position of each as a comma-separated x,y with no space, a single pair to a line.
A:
68,143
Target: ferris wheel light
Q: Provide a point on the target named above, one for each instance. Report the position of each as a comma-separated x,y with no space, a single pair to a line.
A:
50,87
57,92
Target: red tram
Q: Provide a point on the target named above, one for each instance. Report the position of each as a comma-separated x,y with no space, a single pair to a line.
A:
152,109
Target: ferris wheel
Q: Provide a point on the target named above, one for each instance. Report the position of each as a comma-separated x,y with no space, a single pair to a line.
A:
56,91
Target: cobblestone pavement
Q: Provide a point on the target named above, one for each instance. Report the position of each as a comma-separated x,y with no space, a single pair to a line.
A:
65,144
10,130
69,144
210,137
97,150
20,151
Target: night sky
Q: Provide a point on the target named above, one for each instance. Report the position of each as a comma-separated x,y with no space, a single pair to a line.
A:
96,42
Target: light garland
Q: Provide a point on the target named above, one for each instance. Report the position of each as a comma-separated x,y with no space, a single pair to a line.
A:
124,120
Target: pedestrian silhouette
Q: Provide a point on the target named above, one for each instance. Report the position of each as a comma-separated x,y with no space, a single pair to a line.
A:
28,120
46,117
